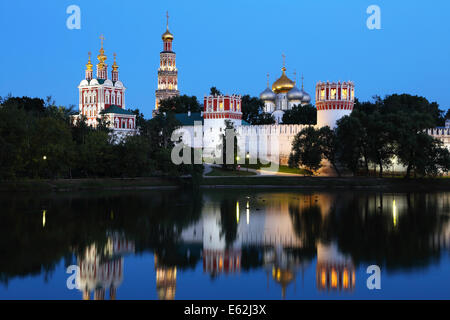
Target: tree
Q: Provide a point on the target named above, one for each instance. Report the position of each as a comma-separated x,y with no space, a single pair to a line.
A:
263,119
180,104
32,105
215,92
252,111
330,146
447,115
306,149
380,144
351,135
52,148
15,132
299,114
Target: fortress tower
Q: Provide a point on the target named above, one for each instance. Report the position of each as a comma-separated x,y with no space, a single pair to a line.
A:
217,110
333,101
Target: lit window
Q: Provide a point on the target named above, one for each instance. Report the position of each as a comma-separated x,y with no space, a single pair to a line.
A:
333,94
344,94
322,94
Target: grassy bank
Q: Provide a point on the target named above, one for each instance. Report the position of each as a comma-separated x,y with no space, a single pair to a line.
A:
85,184
228,182
331,183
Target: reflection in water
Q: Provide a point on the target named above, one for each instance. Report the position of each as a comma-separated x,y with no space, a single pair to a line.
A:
101,267
166,281
226,233
334,271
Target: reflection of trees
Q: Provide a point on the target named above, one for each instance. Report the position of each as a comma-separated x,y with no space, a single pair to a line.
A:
366,232
151,219
307,223
228,221
252,257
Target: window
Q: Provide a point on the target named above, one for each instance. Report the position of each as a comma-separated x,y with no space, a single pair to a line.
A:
344,94
333,94
322,94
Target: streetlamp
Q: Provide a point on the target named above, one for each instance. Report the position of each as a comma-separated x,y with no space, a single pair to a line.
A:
248,159
44,157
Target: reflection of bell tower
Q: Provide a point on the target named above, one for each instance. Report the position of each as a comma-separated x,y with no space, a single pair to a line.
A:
166,281
334,271
283,266
283,277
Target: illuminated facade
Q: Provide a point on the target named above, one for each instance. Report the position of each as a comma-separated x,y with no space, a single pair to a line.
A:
167,72
103,98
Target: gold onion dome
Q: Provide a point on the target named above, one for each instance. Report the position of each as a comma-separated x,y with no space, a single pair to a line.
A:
89,65
283,84
167,35
115,66
101,57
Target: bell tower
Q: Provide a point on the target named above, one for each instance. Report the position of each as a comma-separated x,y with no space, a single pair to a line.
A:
167,72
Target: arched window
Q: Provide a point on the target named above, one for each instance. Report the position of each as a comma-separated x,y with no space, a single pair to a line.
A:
113,98
107,97
116,123
119,99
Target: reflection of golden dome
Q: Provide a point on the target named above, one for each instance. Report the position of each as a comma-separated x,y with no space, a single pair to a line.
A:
283,277
283,84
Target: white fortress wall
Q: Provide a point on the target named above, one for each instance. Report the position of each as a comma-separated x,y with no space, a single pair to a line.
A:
268,140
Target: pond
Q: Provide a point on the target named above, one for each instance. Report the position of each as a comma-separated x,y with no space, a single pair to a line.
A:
225,244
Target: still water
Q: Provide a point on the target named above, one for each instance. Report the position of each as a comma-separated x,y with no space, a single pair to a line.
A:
224,244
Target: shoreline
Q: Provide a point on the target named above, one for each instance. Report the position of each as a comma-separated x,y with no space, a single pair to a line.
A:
260,182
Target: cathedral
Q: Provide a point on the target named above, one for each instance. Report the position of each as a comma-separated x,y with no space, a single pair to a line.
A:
104,98
284,95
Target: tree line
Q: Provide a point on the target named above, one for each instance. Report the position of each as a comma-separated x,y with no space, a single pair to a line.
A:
37,140
375,135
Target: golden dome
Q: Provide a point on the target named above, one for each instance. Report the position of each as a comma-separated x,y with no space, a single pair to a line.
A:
101,57
115,66
283,84
167,36
89,65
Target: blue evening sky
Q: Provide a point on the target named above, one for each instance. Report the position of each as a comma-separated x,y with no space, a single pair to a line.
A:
228,44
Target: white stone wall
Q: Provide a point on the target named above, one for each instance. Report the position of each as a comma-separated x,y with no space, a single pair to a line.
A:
266,141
